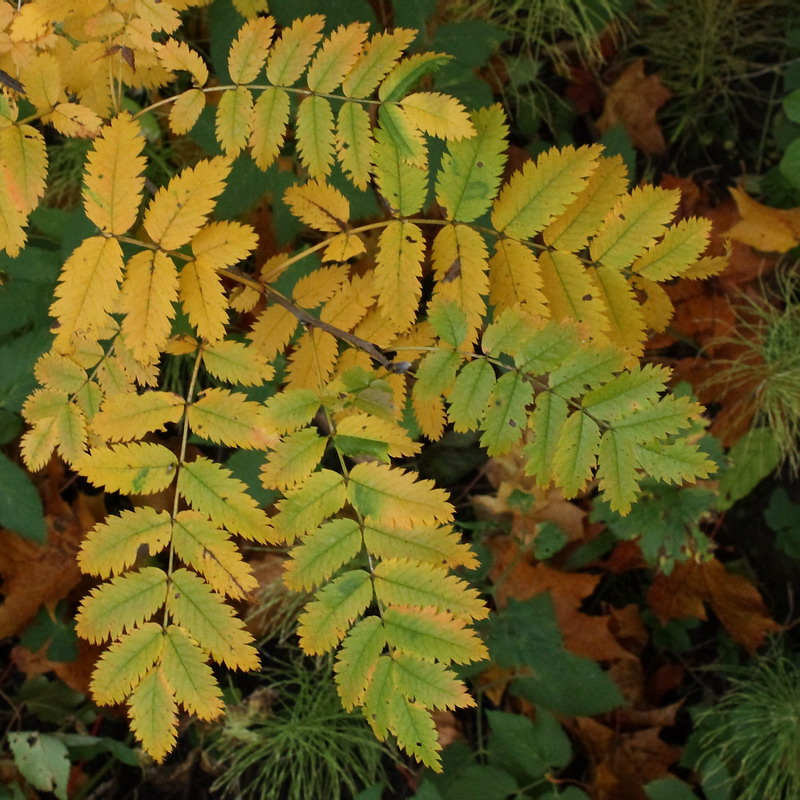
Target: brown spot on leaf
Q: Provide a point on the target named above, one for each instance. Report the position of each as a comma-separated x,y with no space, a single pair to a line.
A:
454,271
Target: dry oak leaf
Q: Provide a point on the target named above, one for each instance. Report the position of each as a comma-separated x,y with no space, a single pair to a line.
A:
733,598
773,230
632,101
585,635
622,763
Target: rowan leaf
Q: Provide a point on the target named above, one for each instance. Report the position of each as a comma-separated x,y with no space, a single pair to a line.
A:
127,416
515,279
398,270
154,716
400,582
190,675
270,117
234,119
304,508
618,481
87,290
113,182
424,543
356,660
335,607
248,51
336,57
186,110
212,623
123,665
121,604
575,453
231,419
214,491
402,184
470,394
315,135
23,165
203,299
319,205
395,496
200,544
431,635
291,53
428,682
321,553
235,362
504,419
414,728
180,208
113,546
542,189
293,459
547,422
149,291
354,143
138,468
679,249
378,58
406,73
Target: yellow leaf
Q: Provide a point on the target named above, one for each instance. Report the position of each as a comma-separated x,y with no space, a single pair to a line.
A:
180,208
176,55
388,432
571,292
430,415
231,419
76,121
154,716
772,230
627,323
319,205
343,247
541,190
272,331
572,229
354,143
270,117
23,160
149,291
633,225
398,271
223,244
315,137
113,181
249,50
312,360
123,665
705,268
676,252
139,468
87,290
200,544
186,111
250,8
41,78
114,545
427,544
189,674
235,362
291,53
318,287
459,258
12,235
380,55
336,56
515,279
72,435
121,604
38,443
210,621
438,114
234,119
655,304
293,459
124,417
203,299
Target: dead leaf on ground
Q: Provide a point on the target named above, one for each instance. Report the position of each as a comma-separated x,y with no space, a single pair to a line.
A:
632,101
75,674
733,598
772,230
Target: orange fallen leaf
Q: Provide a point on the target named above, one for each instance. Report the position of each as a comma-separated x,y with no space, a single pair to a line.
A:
632,101
773,230
733,598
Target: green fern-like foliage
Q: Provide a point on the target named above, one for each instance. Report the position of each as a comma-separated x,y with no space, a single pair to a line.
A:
544,289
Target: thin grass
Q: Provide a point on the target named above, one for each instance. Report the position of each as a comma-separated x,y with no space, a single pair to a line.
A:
754,728
299,745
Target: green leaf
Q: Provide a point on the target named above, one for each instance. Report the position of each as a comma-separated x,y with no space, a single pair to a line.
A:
504,420
575,453
586,368
470,173
547,421
470,394
547,349
326,619
527,635
413,726
508,333
626,392
616,470
449,322
429,683
403,185
436,372
321,553
42,759
20,505
527,749
408,72
669,789
357,656
754,456
322,495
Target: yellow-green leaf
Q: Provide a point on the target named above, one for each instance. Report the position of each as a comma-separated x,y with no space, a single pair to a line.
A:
357,658
138,468
128,416
249,50
231,419
270,117
234,119
154,716
304,508
321,553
